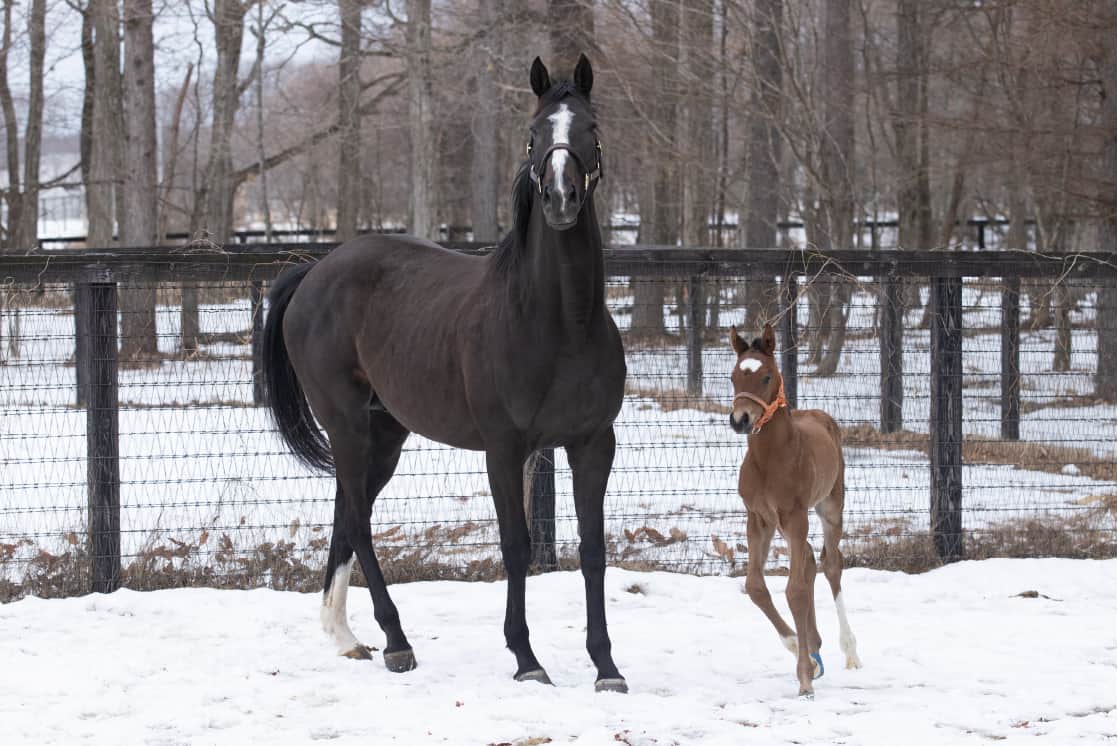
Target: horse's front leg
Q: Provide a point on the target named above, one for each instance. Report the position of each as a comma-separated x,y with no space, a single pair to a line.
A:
506,480
590,462
801,599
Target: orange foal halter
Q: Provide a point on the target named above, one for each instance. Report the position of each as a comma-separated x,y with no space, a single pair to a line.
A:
769,407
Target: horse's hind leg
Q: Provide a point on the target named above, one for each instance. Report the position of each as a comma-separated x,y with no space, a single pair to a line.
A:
830,512
339,564
759,536
365,458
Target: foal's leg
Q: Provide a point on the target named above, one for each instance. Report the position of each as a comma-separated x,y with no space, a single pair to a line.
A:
830,511
506,479
759,536
590,462
801,596
339,564
365,462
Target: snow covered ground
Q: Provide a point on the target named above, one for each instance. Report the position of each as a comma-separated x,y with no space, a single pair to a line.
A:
953,656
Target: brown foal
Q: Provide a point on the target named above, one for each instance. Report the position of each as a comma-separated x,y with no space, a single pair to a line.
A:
794,463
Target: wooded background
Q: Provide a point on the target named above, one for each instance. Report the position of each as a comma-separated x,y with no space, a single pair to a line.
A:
211,115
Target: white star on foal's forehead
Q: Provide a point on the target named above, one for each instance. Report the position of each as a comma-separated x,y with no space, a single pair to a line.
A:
750,365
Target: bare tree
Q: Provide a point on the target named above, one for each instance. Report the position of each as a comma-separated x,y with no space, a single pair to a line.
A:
349,118
484,161
138,180
765,151
571,28
423,218
107,134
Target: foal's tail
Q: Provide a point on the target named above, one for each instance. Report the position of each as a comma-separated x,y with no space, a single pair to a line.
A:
282,389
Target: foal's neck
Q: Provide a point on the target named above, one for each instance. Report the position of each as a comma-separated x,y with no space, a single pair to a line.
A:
564,272
778,432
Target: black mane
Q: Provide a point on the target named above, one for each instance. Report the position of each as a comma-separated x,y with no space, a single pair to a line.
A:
509,249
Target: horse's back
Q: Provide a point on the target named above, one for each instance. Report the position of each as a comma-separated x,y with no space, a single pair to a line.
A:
815,420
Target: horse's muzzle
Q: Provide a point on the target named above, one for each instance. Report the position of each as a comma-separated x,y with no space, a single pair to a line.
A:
741,427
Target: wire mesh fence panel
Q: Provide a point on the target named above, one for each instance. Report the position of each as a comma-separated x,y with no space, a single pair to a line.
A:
208,493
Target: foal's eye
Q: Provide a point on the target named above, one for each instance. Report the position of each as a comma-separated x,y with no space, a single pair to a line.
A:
766,380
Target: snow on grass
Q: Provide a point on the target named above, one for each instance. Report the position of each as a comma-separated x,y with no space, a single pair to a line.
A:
951,656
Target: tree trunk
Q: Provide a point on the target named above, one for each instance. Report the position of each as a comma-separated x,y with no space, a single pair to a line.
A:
661,212
423,220
28,235
837,152
137,302
103,186
764,147
264,197
349,119
484,162
229,30
572,33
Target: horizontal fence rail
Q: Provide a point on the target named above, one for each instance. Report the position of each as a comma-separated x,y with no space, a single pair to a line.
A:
975,391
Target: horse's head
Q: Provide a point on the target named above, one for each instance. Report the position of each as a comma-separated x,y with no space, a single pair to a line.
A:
758,386
564,155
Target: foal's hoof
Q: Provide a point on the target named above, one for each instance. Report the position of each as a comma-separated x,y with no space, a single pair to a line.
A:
399,661
818,661
538,674
807,694
360,652
611,685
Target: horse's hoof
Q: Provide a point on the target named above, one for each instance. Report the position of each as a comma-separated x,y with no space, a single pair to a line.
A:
818,660
853,662
611,685
360,652
538,674
399,661
807,694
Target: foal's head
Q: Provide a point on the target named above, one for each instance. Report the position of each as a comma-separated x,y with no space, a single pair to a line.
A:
758,386
564,155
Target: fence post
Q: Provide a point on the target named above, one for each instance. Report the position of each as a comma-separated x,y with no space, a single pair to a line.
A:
257,299
891,341
789,362
1011,358
102,431
541,523
945,426
81,344
695,335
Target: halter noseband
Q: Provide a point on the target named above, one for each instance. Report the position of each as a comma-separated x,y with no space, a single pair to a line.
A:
588,176
768,407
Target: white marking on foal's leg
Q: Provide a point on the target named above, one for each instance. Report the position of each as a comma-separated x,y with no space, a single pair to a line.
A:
333,613
791,644
847,642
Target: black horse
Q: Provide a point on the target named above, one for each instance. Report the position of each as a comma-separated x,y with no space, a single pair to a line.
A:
506,353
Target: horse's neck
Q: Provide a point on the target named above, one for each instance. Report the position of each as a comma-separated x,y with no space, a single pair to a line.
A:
563,274
778,434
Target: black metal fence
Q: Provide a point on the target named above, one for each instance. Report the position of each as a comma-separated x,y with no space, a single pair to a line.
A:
975,391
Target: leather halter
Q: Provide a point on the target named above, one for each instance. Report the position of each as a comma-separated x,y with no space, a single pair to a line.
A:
768,407
588,177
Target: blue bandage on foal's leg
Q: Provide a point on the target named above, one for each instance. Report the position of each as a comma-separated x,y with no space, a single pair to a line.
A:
818,663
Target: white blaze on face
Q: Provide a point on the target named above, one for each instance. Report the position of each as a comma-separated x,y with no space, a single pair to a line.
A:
560,135
750,365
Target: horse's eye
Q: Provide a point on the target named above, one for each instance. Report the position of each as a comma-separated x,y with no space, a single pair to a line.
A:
766,380
528,149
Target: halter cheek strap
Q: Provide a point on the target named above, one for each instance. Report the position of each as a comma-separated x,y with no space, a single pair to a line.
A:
768,407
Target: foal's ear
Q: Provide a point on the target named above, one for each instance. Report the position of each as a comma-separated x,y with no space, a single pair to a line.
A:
584,76
768,340
541,81
737,341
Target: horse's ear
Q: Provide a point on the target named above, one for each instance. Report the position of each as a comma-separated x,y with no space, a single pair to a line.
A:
584,76
737,341
541,81
768,340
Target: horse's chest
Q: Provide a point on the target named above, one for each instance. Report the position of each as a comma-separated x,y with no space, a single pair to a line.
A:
583,394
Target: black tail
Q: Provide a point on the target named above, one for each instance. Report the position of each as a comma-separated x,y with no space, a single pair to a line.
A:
282,389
